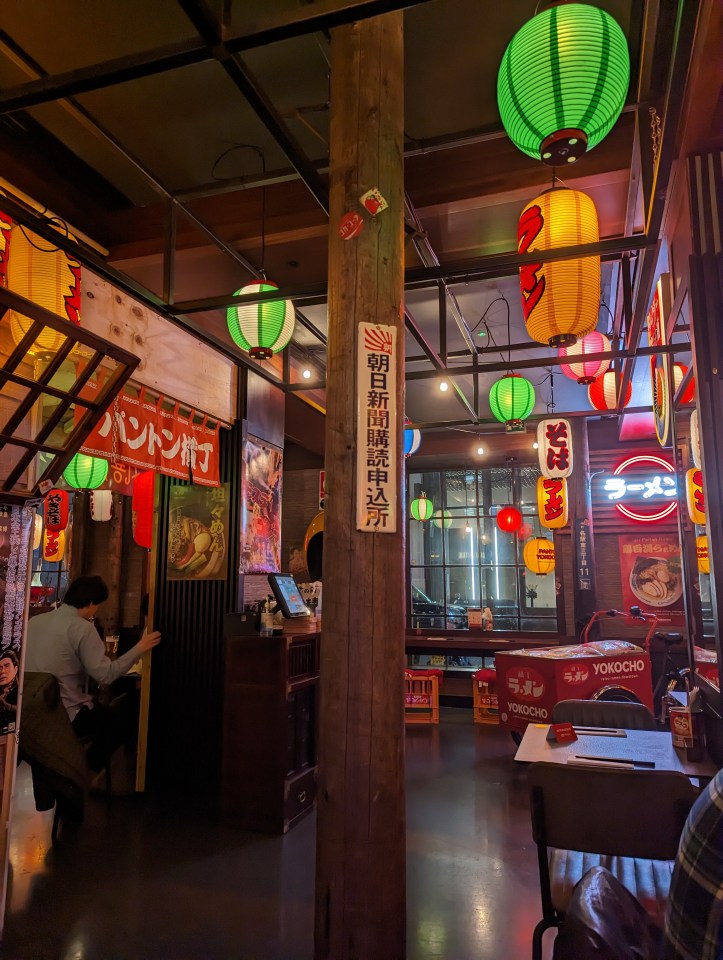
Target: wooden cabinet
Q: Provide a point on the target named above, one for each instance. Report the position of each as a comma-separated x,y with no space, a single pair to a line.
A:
269,762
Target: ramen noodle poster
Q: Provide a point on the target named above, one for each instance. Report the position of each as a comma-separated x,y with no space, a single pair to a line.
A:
650,568
197,532
261,508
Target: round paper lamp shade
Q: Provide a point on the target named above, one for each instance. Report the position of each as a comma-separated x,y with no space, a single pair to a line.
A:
314,546
563,81
512,398
509,519
561,298
54,546
695,439
261,328
142,508
679,371
85,473
443,518
602,393
101,505
539,555
49,278
412,440
701,549
578,368
422,508
525,531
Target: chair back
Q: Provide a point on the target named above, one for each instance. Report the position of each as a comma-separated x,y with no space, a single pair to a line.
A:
604,713
619,813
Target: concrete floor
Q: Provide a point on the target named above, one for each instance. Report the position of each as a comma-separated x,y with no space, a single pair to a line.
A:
146,880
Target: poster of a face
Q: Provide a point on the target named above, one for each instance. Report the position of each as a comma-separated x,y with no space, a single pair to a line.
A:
261,508
197,533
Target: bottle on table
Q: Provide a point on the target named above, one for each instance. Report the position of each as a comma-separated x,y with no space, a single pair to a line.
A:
267,620
487,619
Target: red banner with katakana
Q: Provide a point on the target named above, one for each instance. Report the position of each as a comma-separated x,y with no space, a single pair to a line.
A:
150,436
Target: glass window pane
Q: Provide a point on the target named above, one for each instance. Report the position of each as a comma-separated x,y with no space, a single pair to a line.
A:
501,593
496,546
462,592
460,491
527,486
427,603
461,540
538,593
549,625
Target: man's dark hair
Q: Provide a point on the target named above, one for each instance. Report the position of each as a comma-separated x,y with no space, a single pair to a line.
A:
9,655
85,590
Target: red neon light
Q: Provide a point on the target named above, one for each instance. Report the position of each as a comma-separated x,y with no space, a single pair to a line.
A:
645,517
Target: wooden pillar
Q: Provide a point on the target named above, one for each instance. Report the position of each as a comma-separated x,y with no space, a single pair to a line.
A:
360,867
583,538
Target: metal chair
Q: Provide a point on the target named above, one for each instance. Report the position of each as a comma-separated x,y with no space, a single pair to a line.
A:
604,713
628,821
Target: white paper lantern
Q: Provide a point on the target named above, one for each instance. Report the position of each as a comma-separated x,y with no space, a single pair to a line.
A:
101,505
695,439
37,530
554,448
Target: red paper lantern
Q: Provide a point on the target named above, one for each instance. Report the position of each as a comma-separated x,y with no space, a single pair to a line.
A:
55,510
142,508
580,369
602,393
679,371
525,531
509,519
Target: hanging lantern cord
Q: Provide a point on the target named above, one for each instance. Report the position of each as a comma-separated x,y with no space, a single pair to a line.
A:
551,401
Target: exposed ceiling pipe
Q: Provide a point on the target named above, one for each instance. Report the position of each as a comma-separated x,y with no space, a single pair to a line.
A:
430,259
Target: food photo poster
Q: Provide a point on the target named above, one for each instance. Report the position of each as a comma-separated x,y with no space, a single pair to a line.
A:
650,569
197,532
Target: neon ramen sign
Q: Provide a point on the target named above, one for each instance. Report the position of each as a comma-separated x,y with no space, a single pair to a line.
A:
650,495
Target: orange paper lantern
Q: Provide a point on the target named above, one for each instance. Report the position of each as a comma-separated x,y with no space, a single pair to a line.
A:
552,502
560,298
694,496
54,545
539,555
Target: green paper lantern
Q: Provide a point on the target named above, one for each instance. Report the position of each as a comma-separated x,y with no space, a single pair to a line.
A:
443,518
85,473
512,399
422,508
563,81
262,329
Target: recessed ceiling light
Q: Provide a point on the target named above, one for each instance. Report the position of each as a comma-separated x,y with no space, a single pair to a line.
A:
535,445
480,451
468,529
306,374
443,385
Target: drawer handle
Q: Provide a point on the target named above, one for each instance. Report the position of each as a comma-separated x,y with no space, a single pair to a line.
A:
301,796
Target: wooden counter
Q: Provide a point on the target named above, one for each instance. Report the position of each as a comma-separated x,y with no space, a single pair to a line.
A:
475,642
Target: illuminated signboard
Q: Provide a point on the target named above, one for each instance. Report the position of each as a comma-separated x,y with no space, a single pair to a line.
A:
643,488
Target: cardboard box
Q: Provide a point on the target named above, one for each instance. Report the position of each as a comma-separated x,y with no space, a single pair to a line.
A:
531,682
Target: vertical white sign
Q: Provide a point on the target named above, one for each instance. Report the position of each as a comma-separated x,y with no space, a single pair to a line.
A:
376,429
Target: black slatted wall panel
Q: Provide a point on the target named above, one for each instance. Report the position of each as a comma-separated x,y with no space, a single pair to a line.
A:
184,745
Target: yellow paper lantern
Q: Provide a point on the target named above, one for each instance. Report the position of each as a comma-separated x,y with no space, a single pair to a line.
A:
694,496
49,278
701,549
539,555
552,502
54,546
560,299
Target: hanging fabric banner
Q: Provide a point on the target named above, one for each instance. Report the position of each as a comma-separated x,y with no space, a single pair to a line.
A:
146,435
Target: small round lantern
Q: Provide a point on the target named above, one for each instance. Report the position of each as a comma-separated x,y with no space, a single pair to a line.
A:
422,508
560,298
701,550
443,518
539,555
679,372
509,519
85,473
261,328
101,505
525,531
412,441
581,370
48,277
512,399
602,393
563,81
142,508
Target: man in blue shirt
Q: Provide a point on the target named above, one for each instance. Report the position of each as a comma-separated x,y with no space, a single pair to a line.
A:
66,644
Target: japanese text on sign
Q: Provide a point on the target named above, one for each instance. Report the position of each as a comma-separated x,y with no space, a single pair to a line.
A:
377,429
617,487
554,448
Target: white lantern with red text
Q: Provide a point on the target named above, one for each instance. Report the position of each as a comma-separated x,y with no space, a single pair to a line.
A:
695,439
554,447
101,505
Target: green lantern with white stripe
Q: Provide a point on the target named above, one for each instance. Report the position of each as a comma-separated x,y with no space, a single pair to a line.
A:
262,329
85,472
563,81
